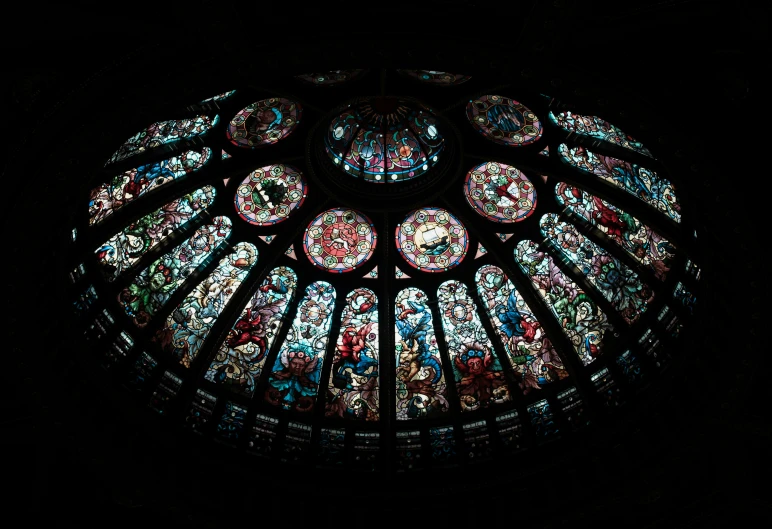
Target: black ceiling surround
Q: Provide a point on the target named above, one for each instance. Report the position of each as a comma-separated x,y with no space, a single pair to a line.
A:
89,449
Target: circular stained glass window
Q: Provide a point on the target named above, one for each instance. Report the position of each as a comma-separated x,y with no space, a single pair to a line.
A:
264,122
269,194
432,240
500,192
340,240
504,120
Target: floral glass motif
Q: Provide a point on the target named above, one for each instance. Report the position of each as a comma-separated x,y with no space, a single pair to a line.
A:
530,351
134,183
582,320
332,77
241,356
421,388
125,248
269,194
619,285
435,77
155,284
500,192
595,127
637,239
384,142
479,375
353,389
162,133
504,120
432,240
339,240
636,180
294,380
189,324
264,122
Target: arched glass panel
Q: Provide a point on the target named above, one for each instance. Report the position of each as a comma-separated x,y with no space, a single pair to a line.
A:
269,195
530,351
479,376
583,321
636,180
134,183
432,240
595,127
125,248
421,388
163,133
219,97
503,120
619,285
294,379
240,358
155,284
637,239
353,389
189,324
264,122
339,240
500,192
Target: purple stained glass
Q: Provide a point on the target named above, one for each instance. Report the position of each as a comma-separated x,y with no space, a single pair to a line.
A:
264,122
330,78
479,375
152,287
595,127
530,351
340,240
582,320
421,388
619,285
432,240
637,239
504,120
500,192
639,181
240,358
269,195
162,133
353,389
435,77
189,324
125,248
134,183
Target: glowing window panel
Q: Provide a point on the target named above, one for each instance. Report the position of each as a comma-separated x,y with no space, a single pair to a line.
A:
435,77
189,324
239,359
340,240
125,248
294,379
329,78
162,133
432,240
231,422
542,418
619,285
500,192
269,195
637,239
530,351
595,127
219,97
155,284
684,297
421,389
443,444
479,376
264,122
639,181
134,183
353,387
582,320
503,120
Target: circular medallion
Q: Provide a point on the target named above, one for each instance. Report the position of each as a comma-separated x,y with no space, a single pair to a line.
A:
504,120
339,240
269,194
432,240
264,122
500,192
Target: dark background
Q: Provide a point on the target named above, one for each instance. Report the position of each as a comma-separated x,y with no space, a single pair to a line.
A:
78,453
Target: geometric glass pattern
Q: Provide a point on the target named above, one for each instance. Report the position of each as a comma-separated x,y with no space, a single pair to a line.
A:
432,240
339,240
500,192
269,194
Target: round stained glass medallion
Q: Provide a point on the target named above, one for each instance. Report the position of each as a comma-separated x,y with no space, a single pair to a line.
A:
340,240
432,240
500,192
504,120
264,122
270,194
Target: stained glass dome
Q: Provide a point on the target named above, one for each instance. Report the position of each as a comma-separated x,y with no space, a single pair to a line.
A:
338,268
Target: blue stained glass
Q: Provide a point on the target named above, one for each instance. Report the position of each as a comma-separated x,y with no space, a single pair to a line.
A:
595,127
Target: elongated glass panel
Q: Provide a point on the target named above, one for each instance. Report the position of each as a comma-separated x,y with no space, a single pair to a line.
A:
595,127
